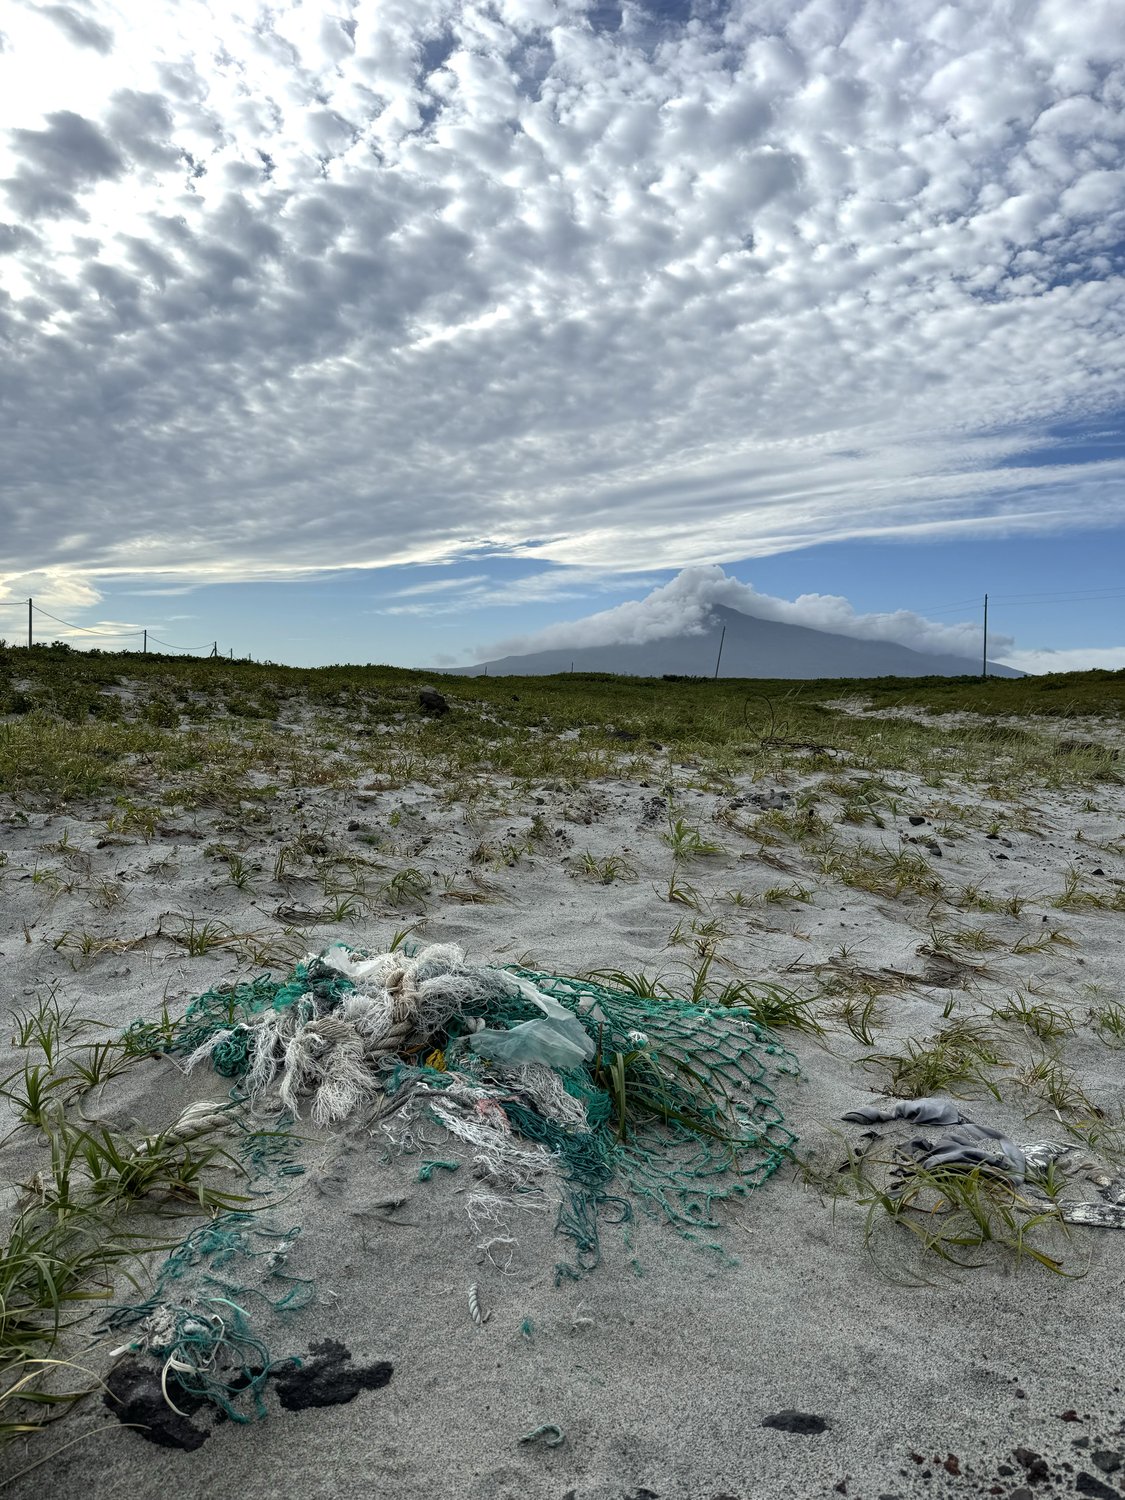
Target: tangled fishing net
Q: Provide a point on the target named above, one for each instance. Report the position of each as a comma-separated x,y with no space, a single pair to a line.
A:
195,1323
531,1082
628,1100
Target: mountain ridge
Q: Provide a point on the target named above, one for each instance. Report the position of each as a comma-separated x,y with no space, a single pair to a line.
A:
752,647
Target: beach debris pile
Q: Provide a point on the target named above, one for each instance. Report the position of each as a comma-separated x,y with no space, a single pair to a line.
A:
623,1099
536,1084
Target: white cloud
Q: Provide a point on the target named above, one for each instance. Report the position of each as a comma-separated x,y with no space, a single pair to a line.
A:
283,291
56,589
684,607
482,591
439,586
1076,659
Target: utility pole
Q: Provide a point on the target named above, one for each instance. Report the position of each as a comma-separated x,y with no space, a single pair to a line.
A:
719,658
214,649
144,644
984,657
29,624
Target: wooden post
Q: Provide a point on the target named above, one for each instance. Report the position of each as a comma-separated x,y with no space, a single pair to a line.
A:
719,658
29,624
144,644
984,657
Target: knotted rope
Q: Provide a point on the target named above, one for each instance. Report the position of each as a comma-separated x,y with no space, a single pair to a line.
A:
336,1042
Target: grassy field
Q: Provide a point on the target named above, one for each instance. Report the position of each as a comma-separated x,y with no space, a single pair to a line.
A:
83,723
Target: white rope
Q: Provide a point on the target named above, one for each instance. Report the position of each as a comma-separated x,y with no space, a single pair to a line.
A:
339,1059
488,1214
544,1088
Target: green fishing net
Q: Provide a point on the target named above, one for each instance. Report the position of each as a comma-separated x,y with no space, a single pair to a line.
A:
201,1320
230,1007
679,1115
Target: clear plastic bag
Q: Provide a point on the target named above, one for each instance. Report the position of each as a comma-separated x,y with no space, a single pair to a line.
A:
558,1042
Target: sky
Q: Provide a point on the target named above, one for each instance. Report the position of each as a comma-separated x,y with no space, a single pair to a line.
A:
414,330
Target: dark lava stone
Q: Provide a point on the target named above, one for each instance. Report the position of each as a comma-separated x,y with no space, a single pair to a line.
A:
804,1423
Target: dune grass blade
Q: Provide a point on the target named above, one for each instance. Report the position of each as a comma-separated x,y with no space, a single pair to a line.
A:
960,1216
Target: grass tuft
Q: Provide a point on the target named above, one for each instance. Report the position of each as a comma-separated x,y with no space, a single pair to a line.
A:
957,1059
960,1217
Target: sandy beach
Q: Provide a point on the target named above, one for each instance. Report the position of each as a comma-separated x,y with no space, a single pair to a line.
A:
809,1345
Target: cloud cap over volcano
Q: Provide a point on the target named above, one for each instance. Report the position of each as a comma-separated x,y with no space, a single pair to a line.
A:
685,607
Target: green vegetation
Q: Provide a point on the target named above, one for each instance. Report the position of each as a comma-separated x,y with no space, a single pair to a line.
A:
769,1005
1042,1019
960,1057
687,842
1109,1023
72,1235
606,870
961,1217
196,732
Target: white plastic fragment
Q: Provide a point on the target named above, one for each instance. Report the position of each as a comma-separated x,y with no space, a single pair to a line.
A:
1094,1215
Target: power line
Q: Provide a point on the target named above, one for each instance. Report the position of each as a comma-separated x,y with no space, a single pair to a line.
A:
950,609
170,646
34,609
1019,599
85,629
1108,593
1102,588
942,609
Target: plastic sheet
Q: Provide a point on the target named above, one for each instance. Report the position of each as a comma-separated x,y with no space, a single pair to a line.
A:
932,1111
557,1042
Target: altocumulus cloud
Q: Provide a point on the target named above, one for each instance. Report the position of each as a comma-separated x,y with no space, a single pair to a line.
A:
81,29
614,285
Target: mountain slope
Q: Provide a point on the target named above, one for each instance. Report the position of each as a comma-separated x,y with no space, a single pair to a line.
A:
751,648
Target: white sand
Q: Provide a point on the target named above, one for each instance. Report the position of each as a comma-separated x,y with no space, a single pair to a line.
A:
660,1382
